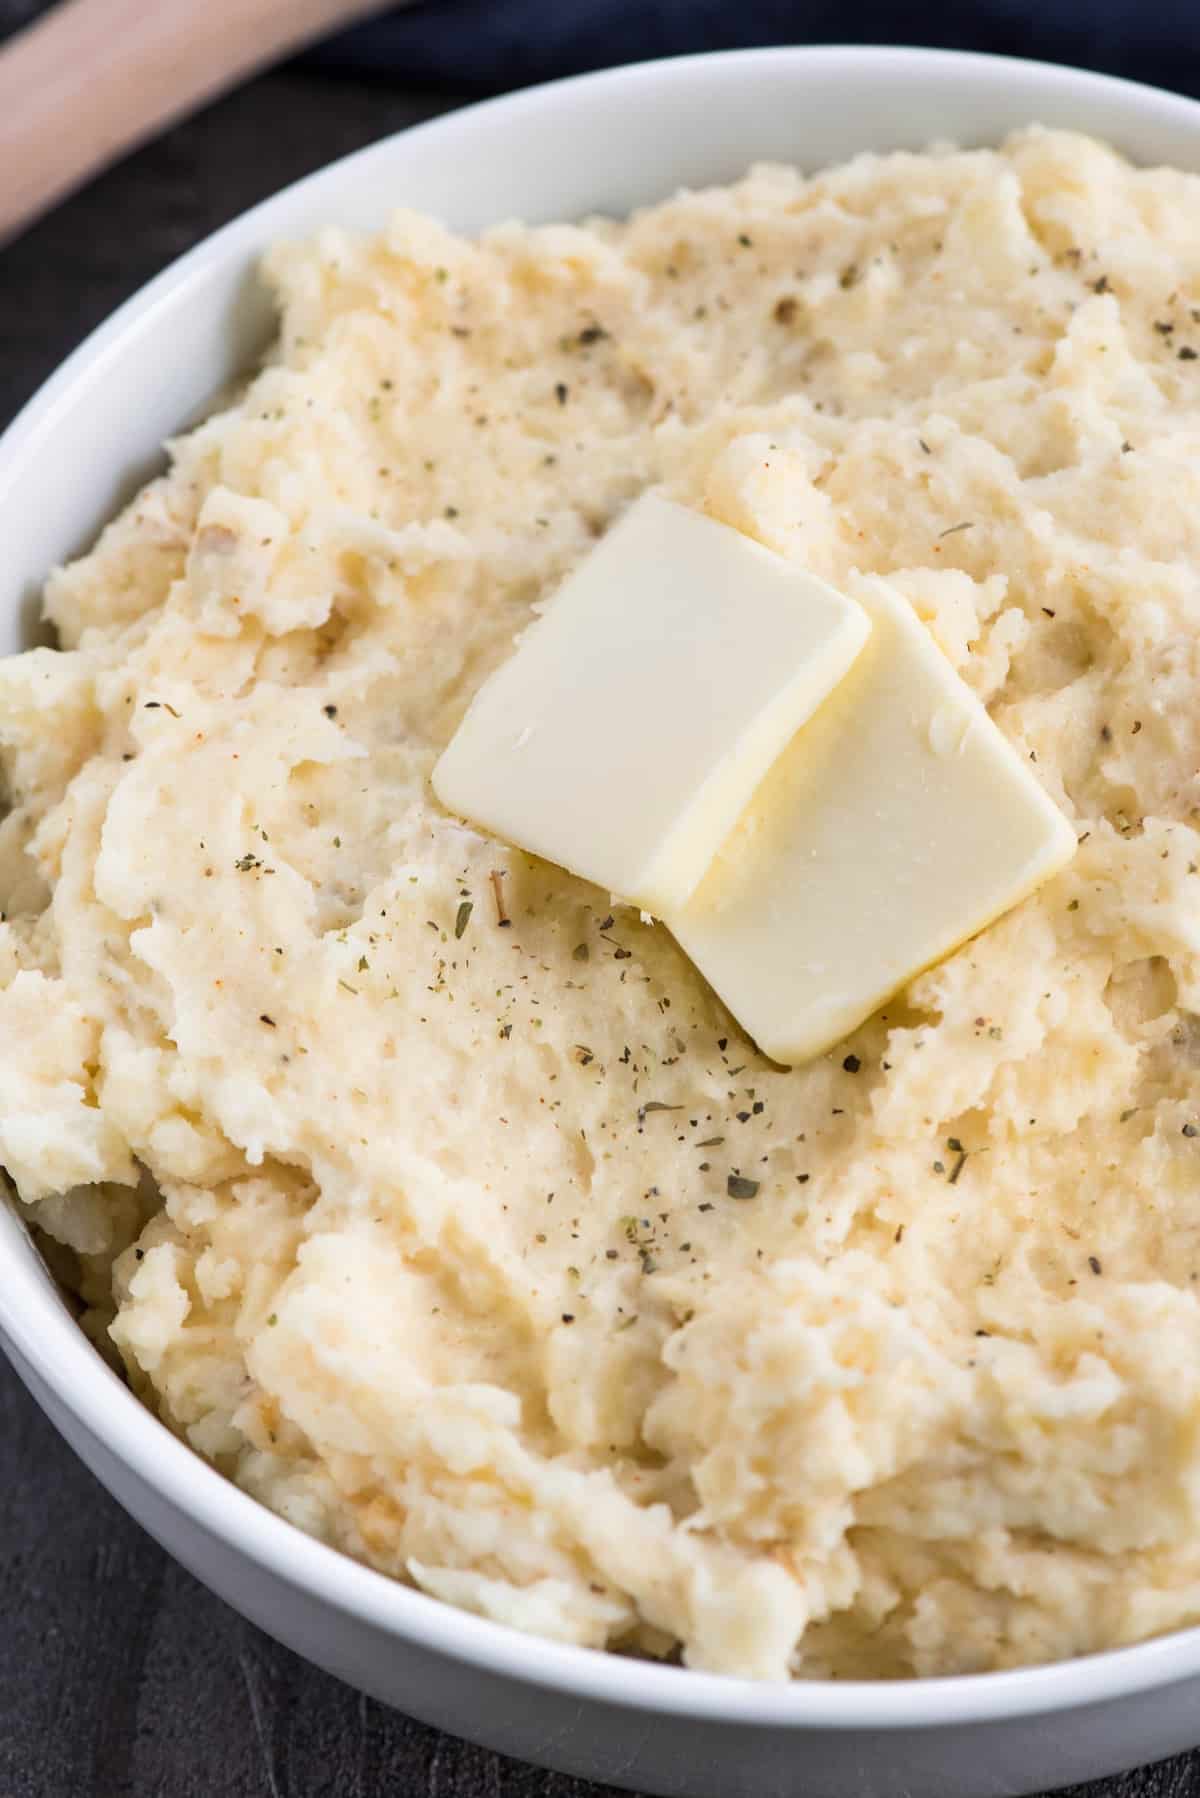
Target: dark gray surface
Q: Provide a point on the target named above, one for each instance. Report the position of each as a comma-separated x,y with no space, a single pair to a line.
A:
118,1674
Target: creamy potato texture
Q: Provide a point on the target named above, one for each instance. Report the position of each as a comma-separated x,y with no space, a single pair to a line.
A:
435,1200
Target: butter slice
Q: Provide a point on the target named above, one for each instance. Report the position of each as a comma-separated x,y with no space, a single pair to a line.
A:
626,734
895,826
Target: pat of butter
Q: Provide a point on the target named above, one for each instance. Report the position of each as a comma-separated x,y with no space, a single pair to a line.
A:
626,734
895,826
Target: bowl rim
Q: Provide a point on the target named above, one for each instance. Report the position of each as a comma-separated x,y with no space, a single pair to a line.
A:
46,1337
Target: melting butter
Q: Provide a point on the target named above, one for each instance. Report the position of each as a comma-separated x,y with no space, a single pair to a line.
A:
897,824
627,733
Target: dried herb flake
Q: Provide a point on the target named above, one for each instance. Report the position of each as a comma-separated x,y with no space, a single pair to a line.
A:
496,877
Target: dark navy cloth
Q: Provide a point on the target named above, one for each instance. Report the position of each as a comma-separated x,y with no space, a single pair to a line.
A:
490,45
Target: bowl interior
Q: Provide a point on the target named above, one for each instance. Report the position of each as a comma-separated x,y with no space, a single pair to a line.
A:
599,143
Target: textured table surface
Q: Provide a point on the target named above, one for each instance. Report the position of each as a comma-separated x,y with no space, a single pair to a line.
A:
120,1677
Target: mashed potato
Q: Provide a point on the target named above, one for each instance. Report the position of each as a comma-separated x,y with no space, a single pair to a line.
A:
406,1174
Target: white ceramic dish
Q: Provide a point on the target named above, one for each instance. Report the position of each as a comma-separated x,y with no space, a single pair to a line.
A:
606,142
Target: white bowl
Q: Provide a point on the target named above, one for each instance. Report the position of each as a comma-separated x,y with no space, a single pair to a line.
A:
604,142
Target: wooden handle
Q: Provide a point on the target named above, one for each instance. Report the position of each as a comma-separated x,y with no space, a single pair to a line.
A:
95,77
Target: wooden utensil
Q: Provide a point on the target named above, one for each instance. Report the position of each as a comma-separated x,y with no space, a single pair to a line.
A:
95,77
